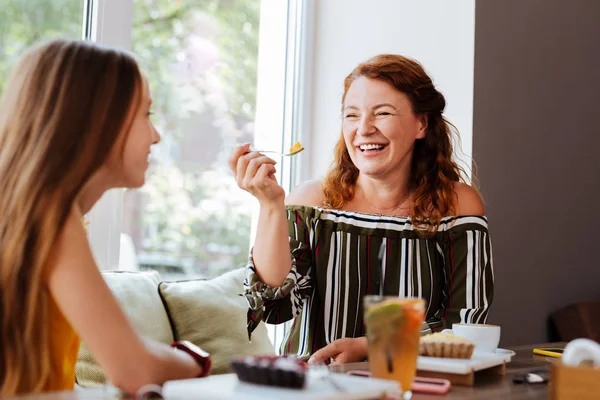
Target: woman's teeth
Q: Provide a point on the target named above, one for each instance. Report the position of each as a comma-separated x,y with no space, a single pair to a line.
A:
371,147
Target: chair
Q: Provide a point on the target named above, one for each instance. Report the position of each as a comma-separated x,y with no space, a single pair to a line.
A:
579,320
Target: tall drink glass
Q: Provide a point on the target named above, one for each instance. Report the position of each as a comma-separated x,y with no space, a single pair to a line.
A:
393,327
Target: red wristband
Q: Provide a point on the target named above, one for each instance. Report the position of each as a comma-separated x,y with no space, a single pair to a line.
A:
201,356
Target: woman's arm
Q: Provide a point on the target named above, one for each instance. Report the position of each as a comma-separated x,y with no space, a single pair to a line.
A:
271,251
80,292
255,173
468,265
469,284
279,303
273,234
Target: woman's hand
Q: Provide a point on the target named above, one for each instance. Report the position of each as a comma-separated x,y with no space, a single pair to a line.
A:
342,351
255,173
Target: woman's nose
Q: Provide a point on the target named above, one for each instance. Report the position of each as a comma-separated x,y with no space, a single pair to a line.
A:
366,126
155,136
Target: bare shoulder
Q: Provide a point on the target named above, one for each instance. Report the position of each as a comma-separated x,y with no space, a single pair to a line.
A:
309,193
468,201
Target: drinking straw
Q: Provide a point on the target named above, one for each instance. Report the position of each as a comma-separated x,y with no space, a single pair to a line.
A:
388,351
380,265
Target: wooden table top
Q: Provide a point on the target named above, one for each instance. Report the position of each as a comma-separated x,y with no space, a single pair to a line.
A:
490,387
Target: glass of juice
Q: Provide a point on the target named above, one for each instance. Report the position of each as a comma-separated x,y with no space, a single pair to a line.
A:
393,326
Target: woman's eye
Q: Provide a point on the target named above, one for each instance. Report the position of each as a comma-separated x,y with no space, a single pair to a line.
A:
383,113
351,116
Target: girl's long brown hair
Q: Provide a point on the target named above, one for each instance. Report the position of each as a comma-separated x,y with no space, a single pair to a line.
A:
62,112
433,170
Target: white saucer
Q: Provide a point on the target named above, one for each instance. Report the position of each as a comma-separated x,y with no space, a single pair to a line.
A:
505,352
500,352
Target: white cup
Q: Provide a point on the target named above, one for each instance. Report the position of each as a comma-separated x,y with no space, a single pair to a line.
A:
485,337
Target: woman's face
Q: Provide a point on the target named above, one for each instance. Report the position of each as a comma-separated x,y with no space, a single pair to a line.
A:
141,136
379,127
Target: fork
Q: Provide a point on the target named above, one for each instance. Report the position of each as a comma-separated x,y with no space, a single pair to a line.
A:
321,371
293,153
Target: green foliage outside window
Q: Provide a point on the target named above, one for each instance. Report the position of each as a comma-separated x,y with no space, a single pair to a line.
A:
193,207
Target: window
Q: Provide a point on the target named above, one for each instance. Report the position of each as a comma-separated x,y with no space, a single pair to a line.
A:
23,23
190,219
211,90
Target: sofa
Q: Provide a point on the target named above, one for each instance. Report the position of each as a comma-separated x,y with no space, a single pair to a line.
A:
209,313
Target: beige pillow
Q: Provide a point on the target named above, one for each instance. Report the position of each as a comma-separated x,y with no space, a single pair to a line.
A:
137,292
212,314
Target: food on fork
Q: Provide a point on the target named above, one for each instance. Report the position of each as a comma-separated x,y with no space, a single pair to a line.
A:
445,345
297,148
271,370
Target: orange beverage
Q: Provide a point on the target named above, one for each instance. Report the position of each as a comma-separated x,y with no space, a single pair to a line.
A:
393,327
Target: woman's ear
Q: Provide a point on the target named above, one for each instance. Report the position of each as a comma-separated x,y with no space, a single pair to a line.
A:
422,127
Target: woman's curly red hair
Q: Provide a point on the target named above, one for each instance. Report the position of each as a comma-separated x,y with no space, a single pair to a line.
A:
433,171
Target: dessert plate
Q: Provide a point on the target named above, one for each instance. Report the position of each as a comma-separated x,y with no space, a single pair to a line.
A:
477,362
503,352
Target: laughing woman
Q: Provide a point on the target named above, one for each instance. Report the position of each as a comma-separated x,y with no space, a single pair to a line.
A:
394,185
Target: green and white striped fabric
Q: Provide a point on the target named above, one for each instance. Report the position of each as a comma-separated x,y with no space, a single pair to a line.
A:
335,263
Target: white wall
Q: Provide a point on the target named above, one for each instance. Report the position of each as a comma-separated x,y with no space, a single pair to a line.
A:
437,33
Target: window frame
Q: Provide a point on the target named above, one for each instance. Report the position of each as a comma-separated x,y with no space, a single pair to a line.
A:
107,22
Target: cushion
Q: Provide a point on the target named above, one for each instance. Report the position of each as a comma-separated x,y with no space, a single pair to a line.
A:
137,292
212,314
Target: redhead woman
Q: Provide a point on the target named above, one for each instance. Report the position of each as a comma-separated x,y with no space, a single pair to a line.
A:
394,187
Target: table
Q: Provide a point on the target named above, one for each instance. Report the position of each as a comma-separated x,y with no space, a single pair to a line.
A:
486,387
492,387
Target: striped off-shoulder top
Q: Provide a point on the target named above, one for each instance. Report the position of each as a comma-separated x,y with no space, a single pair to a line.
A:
335,263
